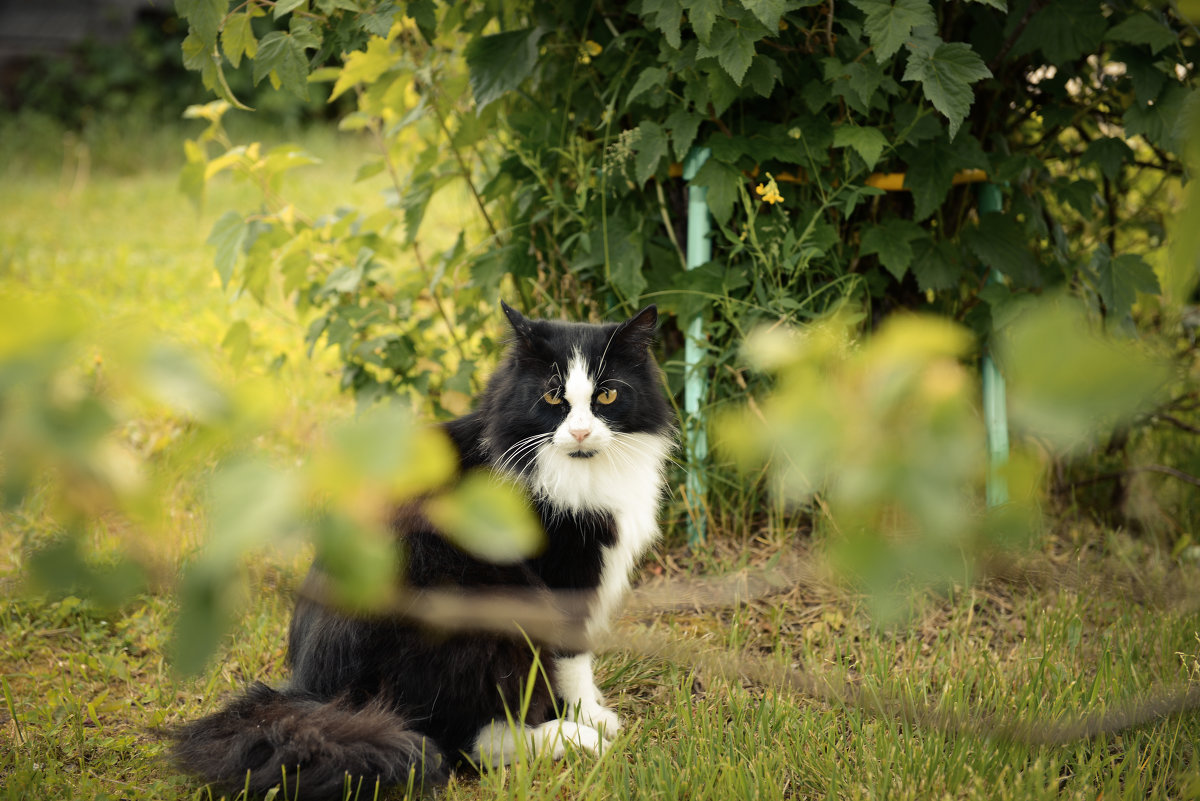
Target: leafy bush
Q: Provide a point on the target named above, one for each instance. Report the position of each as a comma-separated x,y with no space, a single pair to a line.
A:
566,123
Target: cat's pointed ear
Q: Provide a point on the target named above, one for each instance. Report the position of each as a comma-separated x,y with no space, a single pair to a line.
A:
638,331
521,325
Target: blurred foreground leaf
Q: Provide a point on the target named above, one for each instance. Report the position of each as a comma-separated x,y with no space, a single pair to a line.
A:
1068,383
887,434
490,518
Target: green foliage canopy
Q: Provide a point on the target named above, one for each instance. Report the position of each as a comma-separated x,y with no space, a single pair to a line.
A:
566,123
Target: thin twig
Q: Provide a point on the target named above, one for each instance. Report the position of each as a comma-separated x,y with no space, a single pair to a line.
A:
1142,468
1175,421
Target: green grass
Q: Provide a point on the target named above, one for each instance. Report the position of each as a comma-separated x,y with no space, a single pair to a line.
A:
86,690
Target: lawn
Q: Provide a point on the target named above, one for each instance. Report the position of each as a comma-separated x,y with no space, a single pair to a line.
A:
792,693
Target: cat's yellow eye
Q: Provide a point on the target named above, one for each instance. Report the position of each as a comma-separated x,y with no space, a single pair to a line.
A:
552,398
606,396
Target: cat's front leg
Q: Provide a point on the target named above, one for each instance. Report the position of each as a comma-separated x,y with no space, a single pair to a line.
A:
575,683
503,743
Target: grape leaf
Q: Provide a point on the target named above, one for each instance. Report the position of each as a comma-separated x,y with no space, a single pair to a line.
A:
280,54
650,78
228,235
868,142
722,181
284,6
1063,30
203,16
500,62
651,147
664,15
683,125
237,39
1120,280
1000,243
1143,29
1109,153
891,243
888,24
702,14
935,265
767,11
946,76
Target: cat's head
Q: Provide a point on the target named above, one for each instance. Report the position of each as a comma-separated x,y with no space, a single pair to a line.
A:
575,393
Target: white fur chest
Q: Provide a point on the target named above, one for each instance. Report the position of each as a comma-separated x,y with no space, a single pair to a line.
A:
626,480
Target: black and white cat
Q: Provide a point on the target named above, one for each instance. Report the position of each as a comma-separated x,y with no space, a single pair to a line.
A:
576,413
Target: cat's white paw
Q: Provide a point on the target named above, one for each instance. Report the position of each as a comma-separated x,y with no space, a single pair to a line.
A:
582,736
578,735
600,718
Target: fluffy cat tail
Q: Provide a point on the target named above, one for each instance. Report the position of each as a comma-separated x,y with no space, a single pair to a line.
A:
314,748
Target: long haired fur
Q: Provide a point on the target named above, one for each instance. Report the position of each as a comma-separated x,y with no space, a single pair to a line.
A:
576,413
317,749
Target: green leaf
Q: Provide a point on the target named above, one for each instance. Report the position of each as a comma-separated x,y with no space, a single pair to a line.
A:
363,66
651,148
768,12
888,25
424,13
205,616
733,47
702,14
1000,243
683,125
626,254
1079,194
1143,29
929,176
1145,72
946,76
237,39
191,182
305,32
1120,279
936,265
176,379
763,74
721,182
282,56
1109,153
228,236
284,6
198,55
488,518
1157,122
1067,383
500,62
868,142
891,242
1063,30
651,78
203,16
664,15
856,81
237,341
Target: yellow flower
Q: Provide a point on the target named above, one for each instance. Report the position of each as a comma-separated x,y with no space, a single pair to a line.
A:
588,50
769,191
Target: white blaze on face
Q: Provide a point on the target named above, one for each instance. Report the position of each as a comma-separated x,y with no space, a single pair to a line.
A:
581,430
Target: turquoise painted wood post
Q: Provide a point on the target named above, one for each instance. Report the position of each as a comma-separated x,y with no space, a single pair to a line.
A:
699,251
995,407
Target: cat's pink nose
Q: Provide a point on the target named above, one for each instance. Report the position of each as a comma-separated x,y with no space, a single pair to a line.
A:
580,434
